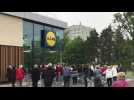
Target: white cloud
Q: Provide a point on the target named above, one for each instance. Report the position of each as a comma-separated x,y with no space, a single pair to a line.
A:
99,20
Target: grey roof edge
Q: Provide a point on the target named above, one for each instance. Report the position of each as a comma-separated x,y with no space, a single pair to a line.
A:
38,18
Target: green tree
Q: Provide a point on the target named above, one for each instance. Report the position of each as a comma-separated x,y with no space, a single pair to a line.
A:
74,52
106,46
92,46
118,44
66,40
124,23
127,53
66,43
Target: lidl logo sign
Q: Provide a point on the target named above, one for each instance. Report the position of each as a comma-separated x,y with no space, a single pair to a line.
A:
51,39
48,39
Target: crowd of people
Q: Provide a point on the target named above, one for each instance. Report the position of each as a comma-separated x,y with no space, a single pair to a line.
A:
16,74
113,75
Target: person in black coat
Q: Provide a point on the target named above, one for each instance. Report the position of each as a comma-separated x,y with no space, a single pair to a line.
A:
48,76
75,76
35,75
86,75
9,70
13,76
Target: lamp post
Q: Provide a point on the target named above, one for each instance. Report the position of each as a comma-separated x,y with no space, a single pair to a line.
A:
61,57
32,52
61,49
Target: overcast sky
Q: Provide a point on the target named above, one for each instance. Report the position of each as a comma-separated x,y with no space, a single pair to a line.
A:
97,20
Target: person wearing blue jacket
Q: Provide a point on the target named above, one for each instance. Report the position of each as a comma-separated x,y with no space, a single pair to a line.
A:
67,76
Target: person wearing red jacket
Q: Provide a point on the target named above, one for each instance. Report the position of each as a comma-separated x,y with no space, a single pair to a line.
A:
20,74
58,72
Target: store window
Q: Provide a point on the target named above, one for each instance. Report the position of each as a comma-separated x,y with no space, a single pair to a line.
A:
27,34
27,43
37,35
48,28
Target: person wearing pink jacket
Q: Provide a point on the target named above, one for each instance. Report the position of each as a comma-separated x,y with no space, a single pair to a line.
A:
121,82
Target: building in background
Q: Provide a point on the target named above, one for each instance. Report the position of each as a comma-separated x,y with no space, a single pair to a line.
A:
19,33
75,31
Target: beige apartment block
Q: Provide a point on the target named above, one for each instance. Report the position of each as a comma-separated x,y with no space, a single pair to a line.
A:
11,30
11,35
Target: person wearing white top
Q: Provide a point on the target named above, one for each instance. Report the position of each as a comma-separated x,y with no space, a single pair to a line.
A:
114,70
109,76
92,68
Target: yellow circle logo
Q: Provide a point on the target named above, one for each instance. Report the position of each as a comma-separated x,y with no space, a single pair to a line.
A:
51,39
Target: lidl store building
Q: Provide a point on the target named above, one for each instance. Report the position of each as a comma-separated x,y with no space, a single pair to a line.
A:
19,33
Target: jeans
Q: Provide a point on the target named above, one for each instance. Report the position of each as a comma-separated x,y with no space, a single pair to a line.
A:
85,81
13,83
35,83
74,80
48,83
109,82
20,82
66,81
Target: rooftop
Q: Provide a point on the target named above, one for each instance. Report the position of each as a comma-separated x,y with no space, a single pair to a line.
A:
38,18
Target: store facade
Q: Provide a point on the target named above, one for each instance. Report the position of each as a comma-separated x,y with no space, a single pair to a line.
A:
20,38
